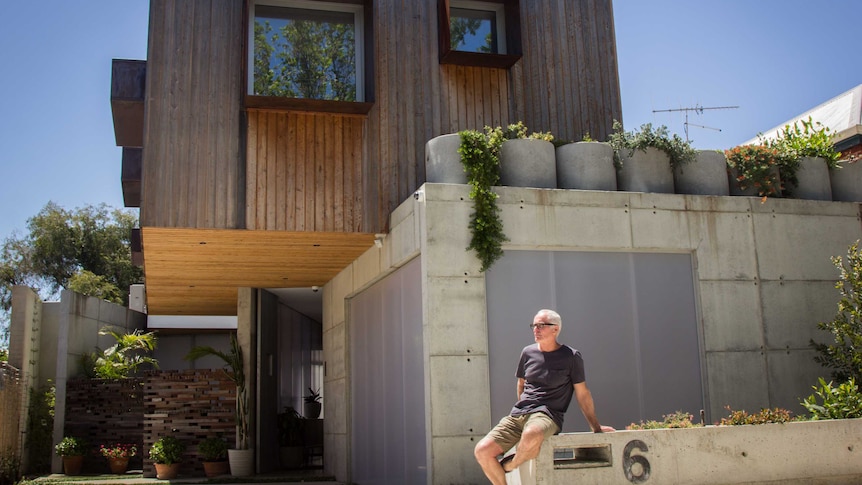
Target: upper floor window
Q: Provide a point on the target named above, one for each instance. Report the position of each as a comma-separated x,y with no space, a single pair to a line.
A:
309,50
480,33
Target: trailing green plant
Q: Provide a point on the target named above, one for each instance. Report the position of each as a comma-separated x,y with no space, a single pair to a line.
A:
10,467
167,450
235,371
124,358
755,166
40,429
764,416
678,419
480,156
843,401
679,151
844,354
213,449
71,446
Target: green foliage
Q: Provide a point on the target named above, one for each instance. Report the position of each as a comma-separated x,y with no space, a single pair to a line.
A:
678,150
313,396
290,424
167,450
844,355
213,449
10,467
841,402
71,446
4,355
679,419
766,415
235,371
305,58
460,27
88,283
811,139
755,167
40,429
124,358
480,155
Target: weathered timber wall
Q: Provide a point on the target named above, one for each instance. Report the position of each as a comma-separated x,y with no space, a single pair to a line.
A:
193,172
11,388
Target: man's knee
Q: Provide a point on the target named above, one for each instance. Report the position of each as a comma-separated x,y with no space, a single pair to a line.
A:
486,447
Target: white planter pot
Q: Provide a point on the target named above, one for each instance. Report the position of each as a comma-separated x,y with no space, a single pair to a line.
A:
528,163
241,462
847,182
706,175
645,171
586,166
813,180
443,162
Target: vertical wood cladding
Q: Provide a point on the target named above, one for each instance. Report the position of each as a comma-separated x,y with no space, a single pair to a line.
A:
193,172
332,172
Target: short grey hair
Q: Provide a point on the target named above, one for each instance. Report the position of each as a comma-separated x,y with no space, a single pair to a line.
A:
552,316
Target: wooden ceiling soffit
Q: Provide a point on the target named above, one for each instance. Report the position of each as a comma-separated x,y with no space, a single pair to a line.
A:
198,271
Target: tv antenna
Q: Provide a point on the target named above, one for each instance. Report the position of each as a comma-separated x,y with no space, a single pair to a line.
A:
697,109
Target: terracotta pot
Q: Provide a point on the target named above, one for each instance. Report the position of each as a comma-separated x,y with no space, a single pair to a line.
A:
167,472
118,465
216,468
72,464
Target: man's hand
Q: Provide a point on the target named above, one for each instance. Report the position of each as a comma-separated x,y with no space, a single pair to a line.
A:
606,429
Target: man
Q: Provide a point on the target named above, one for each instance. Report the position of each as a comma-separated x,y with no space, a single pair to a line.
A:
549,373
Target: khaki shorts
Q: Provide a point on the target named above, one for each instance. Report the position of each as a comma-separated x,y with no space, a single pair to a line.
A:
508,431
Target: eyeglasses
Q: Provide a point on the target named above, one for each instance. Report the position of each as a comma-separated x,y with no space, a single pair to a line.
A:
542,326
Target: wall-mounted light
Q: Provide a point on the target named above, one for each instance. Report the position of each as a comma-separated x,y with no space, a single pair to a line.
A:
378,240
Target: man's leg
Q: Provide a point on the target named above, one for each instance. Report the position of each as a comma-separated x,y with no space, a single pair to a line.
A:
486,452
538,427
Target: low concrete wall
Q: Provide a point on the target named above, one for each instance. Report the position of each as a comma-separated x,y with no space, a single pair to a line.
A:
798,452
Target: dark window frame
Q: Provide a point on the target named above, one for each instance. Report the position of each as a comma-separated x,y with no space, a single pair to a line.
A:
512,12
252,101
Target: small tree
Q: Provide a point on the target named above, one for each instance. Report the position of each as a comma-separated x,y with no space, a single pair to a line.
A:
844,355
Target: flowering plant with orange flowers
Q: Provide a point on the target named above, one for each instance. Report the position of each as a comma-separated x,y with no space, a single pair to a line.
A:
118,450
756,166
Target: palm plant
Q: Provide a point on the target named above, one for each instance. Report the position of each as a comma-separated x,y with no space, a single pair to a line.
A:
125,357
234,370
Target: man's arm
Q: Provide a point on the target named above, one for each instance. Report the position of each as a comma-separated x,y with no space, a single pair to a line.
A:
585,401
520,388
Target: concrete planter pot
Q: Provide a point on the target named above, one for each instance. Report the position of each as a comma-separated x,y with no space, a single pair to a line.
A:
706,175
645,171
796,452
813,180
528,163
443,162
586,166
846,182
749,191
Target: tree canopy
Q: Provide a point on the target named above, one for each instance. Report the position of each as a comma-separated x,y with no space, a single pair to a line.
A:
87,250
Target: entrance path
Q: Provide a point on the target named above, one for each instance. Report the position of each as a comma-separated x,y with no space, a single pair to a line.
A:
312,477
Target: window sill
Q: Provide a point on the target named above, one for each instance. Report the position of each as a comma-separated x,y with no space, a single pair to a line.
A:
312,105
479,59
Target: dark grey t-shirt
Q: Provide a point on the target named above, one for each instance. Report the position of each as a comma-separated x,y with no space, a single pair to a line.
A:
549,379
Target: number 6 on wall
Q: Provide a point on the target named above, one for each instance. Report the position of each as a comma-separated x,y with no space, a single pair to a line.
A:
629,461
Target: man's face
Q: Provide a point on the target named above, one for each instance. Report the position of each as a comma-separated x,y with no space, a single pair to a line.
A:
544,330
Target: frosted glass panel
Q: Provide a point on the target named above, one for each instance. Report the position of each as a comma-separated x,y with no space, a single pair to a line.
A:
632,315
388,381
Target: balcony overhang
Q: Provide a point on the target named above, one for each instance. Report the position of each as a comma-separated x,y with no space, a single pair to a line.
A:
198,271
128,82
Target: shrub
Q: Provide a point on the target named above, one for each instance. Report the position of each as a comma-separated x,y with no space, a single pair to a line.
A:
167,450
678,419
841,402
10,467
213,449
766,415
812,139
71,446
678,150
755,167
844,355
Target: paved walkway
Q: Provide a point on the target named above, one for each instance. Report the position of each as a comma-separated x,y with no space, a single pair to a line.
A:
312,477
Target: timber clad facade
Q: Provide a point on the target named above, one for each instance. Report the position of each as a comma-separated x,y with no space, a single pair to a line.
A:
209,163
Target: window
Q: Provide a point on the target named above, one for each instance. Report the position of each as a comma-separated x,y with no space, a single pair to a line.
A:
479,33
307,50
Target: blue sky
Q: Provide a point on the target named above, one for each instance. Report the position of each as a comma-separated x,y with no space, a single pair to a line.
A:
772,58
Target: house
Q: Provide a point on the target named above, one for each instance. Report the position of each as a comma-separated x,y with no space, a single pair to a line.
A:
261,190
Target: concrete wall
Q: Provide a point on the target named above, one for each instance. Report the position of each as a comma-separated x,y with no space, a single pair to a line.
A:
762,276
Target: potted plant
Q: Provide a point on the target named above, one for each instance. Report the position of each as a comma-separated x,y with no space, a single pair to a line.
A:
753,170
213,450
807,155
290,428
242,457
118,455
587,165
166,453
647,158
72,450
313,405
